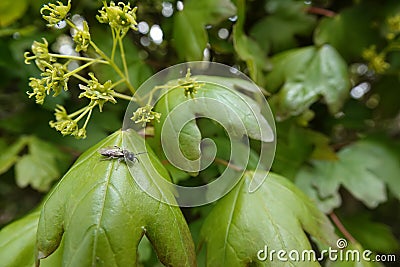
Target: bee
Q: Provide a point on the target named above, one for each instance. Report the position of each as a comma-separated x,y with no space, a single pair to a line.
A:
116,152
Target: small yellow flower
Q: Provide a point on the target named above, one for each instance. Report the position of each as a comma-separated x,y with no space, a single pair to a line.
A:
120,17
39,90
40,54
54,13
66,125
378,64
95,91
82,38
189,84
375,61
145,114
56,80
393,27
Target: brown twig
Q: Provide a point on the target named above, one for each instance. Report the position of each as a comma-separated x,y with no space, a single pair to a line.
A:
228,164
321,11
341,227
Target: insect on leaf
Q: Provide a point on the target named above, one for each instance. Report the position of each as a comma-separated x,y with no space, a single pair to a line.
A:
102,214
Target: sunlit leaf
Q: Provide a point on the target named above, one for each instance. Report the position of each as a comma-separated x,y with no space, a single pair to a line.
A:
277,215
102,214
234,111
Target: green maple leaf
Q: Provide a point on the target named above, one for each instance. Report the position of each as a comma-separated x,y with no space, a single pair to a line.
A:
304,75
349,24
38,168
238,113
102,214
276,215
363,168
17,244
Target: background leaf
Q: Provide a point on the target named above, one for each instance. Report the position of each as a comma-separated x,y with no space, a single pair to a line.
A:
286,20
10,11
363,168
39,168
248,49
10,155
304,75
354,24
296,146
371,235
17,244
190,35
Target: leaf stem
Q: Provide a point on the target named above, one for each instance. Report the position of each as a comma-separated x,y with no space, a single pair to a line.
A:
81,78
97,60
341,227
114,45
76,112
122,96
87,109
109,60
87,118
321,11
78,69
114,66
228,164
121,48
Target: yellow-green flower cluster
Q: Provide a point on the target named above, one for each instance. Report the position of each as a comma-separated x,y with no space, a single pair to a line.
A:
55,74
97,92
82,38
54,13
65,124
120,17
54,79
40,54
393,27
145,114
375,61
189,84
39,90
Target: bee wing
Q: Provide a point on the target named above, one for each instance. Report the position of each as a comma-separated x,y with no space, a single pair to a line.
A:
110,150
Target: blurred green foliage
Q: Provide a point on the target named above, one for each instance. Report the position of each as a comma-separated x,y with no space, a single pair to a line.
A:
330,71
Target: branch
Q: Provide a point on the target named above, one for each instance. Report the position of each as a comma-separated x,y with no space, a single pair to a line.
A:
321,11
341,227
